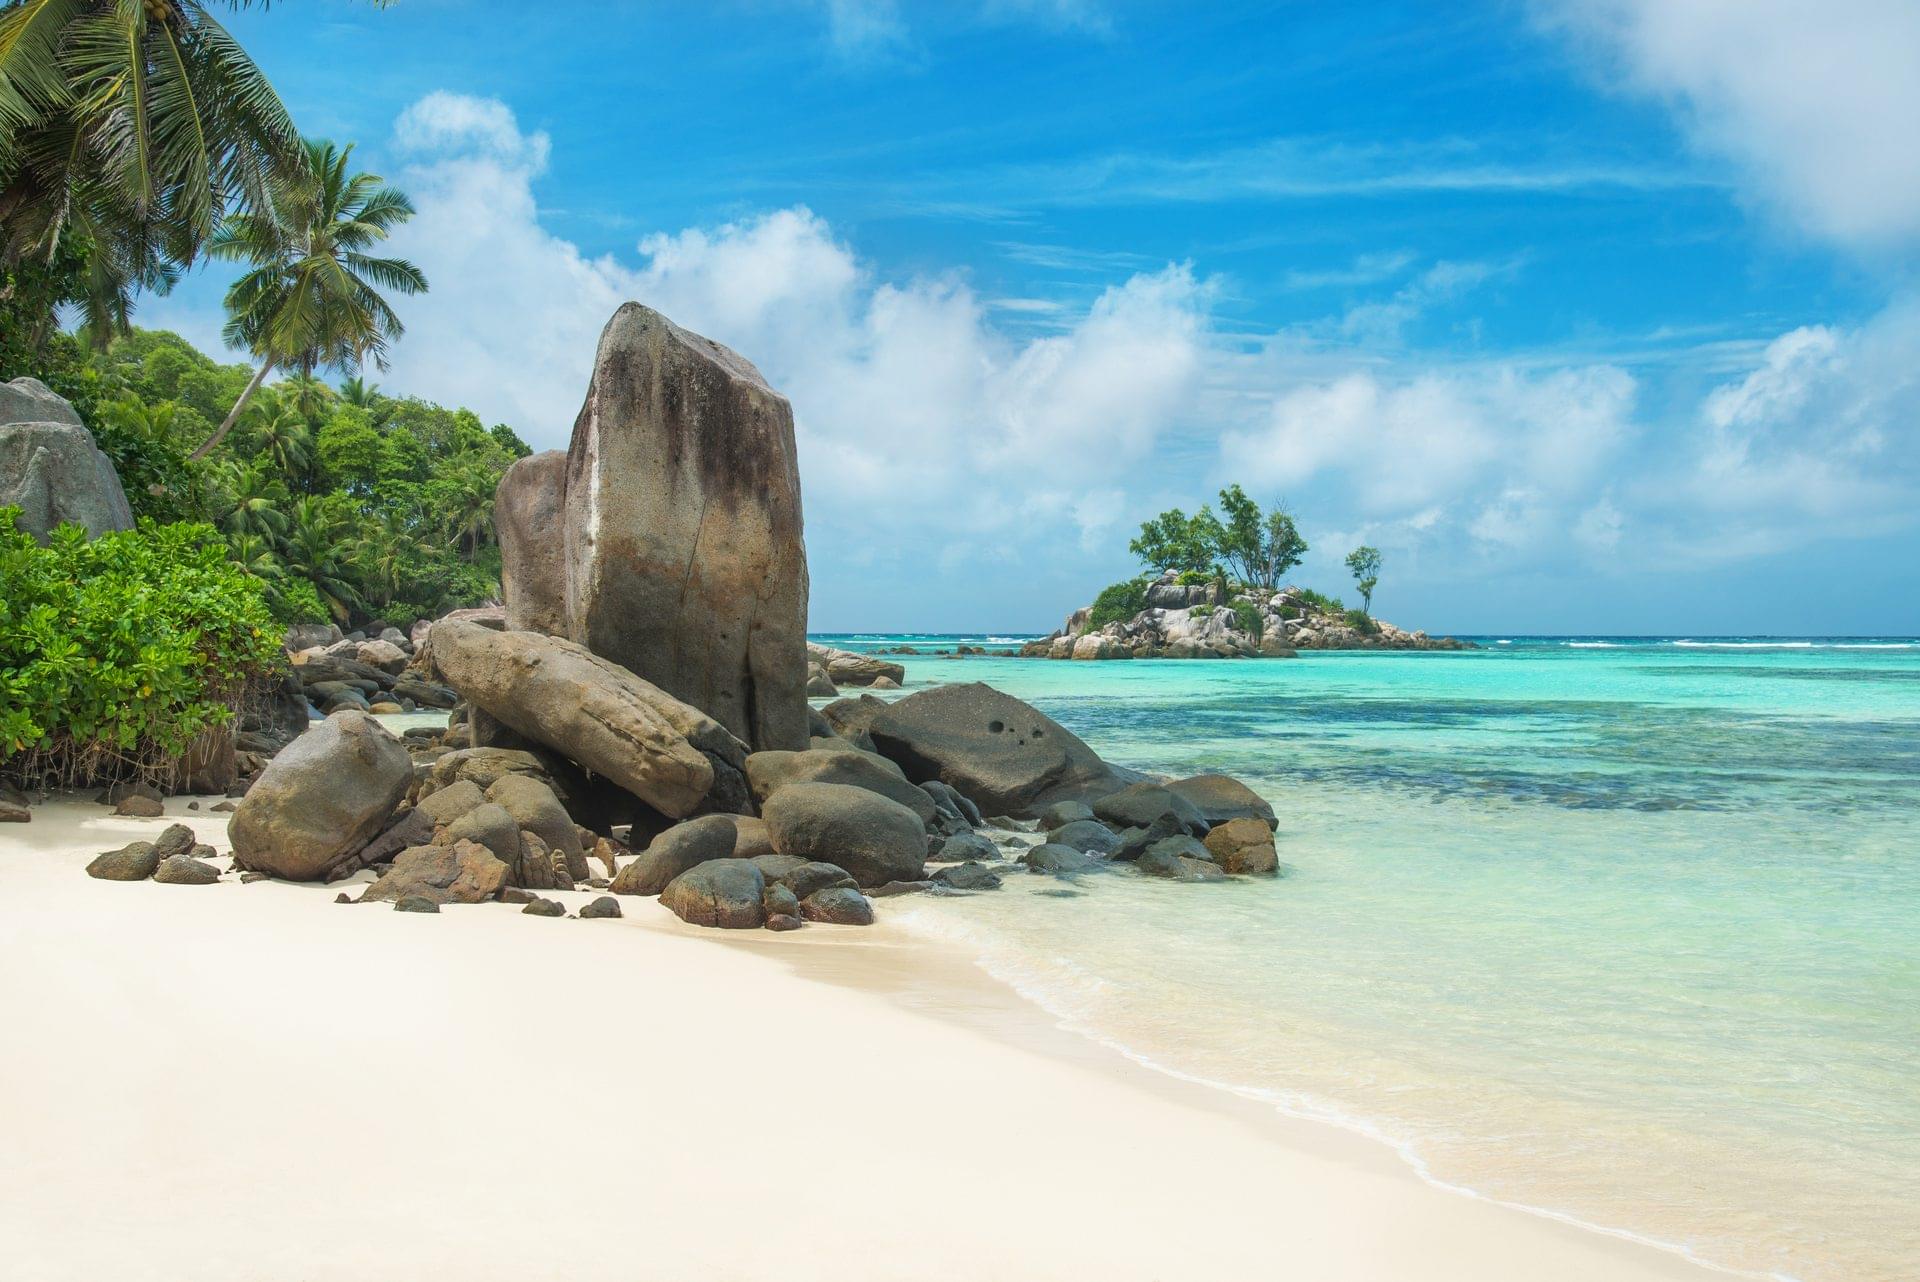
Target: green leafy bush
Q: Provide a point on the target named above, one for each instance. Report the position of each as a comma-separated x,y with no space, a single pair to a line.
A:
1359,622
116,654
1321,601
1249,619
1201,611
1289,611
1118,603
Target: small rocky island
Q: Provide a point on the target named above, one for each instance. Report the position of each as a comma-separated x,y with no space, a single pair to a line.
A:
1213,621
636,718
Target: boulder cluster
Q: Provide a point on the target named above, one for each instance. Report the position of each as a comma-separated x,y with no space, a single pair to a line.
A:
1204,621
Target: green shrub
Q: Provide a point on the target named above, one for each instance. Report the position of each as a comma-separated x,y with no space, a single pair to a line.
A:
1249,619
116,654
1201,611
1118,603
1289,611
1320,601
1359,622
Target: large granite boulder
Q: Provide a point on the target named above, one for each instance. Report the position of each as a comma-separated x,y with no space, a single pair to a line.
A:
321,799
1004,756
874,839
529,518
534,807
591,711
1138,805
768,772
50,467
685,557
1243,845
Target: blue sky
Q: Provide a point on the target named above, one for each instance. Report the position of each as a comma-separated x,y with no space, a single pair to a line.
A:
1594,315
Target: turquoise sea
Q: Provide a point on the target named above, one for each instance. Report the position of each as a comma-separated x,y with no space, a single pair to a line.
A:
1621,929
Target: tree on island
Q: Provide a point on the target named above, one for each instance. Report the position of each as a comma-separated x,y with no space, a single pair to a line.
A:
313,296
1256,547
1364,562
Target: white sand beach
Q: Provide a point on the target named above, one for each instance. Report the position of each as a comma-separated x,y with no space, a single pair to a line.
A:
251,1083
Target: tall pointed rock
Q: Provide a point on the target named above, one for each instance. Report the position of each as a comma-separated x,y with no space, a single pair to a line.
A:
685,557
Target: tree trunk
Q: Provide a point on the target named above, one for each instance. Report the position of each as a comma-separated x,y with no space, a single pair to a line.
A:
233,415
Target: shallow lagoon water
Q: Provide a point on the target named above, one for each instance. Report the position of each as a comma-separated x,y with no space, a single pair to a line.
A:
1626,931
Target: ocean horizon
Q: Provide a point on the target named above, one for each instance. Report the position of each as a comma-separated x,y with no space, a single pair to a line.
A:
1617,929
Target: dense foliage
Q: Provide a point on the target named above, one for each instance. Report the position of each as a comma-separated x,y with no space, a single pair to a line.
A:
1118,603
116,653
1254,548
345,505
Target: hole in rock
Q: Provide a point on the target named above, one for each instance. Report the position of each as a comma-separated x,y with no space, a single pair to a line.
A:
995,727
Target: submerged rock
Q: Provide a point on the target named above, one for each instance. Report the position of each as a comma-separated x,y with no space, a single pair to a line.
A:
1058,860
1243,845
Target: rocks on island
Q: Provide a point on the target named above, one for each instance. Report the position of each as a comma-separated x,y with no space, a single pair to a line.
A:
1202,621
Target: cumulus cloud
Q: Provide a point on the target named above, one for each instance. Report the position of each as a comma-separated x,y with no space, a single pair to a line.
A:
1814,102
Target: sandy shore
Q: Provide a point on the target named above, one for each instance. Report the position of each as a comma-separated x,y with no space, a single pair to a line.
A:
249,1082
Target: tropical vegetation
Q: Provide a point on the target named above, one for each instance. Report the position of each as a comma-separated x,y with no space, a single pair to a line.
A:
117,653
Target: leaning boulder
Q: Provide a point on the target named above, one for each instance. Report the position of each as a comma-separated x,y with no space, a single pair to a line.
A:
591,711
729,893
874,839
529,518
1003,755
50,467
324,797
685,557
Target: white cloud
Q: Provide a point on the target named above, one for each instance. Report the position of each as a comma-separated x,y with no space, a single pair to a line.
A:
1816,102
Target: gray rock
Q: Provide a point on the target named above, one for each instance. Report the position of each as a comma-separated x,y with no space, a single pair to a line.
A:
177,839
1220,798
1062,813
462,873
888,890
850,668
529,519
492,827
1138,805
768,772
966,845
1135,842
408,904
943,795
414,828
534,807
776,867
819,684
750,837
784,922
589,710
850,718
673,852
779,902
185,870
1001,754
837,906
811,878
544,908
601,908
135,861
1087,836
50,467
728,893
1181,845
873,838
1161,861
685,557
139,807
968,876
1058,860
321,799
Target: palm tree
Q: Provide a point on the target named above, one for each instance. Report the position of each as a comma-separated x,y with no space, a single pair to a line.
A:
283,435
315,550
472,512
311,397
388,552
355,390
257,502
313,296
131,128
